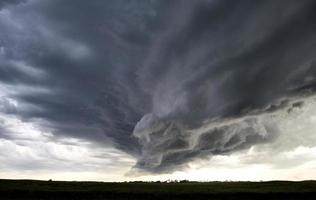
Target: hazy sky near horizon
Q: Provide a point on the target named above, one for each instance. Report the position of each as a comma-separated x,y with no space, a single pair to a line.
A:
156,89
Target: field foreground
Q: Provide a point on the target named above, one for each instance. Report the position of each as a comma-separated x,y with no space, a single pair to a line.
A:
30,189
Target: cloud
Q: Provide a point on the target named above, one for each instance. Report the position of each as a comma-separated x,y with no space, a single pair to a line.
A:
166,82
4,3
31,149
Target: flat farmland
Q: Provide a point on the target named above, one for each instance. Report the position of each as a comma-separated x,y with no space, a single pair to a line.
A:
31,189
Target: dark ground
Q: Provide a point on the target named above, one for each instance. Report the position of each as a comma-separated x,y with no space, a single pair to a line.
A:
29,189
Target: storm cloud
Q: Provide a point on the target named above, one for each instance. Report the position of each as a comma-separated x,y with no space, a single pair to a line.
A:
164,81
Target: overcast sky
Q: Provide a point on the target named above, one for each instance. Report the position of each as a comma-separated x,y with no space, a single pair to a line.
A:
121,90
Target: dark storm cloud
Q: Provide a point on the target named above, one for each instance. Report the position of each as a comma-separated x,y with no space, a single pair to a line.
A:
166,81
4,3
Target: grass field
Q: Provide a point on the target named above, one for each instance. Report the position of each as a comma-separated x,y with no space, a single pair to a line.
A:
29,189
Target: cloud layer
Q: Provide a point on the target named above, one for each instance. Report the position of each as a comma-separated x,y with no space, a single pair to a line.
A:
165,81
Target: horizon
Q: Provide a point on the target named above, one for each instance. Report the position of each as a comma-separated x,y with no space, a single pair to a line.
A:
158,181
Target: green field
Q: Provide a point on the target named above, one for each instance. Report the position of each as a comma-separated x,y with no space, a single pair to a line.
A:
29,189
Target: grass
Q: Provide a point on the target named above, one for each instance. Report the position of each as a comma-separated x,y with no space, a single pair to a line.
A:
30,189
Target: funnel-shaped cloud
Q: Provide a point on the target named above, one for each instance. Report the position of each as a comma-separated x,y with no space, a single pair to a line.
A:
165,81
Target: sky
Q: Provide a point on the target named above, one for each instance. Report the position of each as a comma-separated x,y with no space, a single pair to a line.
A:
123,90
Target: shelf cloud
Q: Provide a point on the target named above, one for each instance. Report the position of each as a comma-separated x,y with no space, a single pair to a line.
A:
167,82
